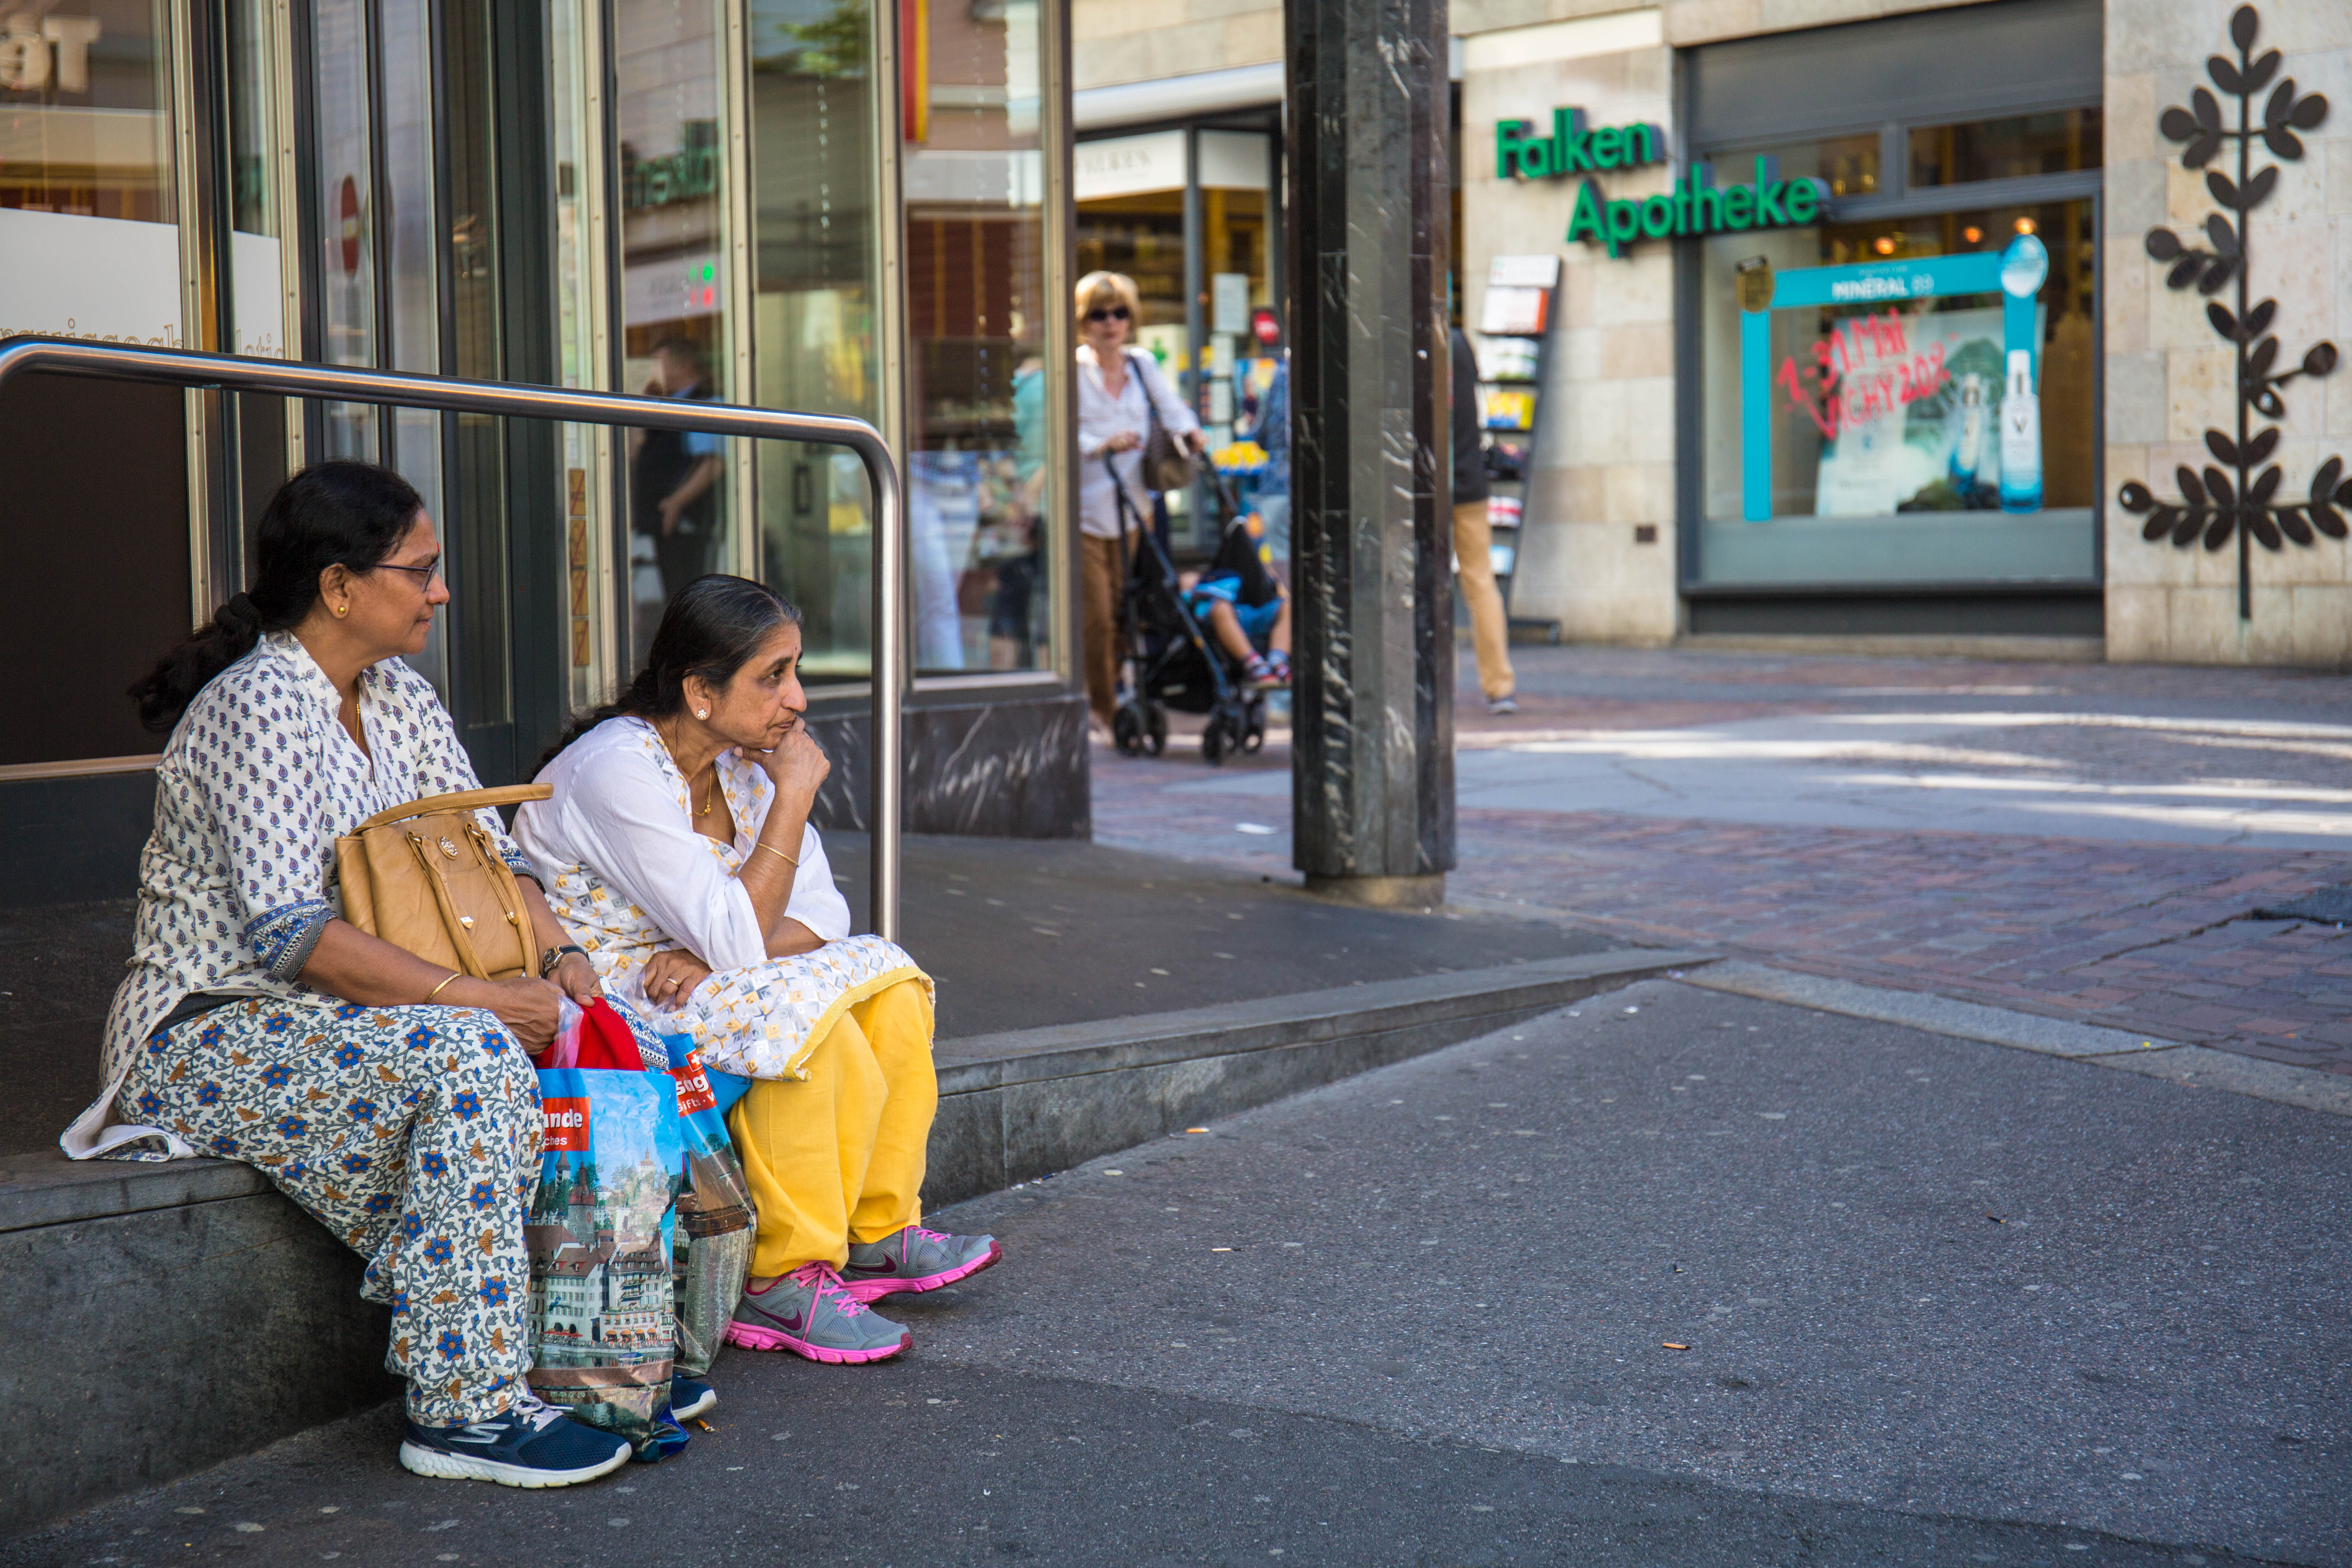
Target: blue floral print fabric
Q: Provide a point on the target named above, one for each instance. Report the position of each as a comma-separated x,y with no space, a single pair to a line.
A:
411,1132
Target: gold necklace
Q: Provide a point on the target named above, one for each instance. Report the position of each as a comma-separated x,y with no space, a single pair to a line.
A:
713,800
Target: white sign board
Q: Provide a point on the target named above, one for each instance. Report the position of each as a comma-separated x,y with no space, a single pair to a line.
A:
108,279
1129,165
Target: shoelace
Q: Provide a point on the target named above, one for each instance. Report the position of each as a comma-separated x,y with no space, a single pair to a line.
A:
531,1411
827,1286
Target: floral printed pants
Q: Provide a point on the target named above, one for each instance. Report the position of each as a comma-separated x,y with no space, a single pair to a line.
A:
411,1132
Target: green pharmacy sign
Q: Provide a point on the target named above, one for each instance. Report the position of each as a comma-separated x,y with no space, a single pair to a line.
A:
1697,205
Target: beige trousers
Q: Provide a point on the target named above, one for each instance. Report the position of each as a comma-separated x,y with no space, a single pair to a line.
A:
1490,632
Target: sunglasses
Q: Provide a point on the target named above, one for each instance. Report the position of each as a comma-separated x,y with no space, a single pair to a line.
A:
1115,313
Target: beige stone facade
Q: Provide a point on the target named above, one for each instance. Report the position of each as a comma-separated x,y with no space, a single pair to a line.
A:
2169,377
1605,454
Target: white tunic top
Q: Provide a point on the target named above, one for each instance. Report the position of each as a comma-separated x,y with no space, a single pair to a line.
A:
628,875
1101,416
258,780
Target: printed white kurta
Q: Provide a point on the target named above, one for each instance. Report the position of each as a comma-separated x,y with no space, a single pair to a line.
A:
628,876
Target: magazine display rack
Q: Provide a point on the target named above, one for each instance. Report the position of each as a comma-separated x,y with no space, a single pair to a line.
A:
1514,331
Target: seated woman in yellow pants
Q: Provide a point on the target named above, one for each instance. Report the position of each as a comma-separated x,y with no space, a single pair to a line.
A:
676,850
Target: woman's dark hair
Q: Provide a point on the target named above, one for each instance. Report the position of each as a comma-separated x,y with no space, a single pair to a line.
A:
712,628
351,515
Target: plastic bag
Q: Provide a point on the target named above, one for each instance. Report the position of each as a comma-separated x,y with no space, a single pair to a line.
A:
712,1252
602,1231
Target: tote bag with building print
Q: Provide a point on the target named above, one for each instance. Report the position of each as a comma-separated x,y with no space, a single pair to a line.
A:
600,1235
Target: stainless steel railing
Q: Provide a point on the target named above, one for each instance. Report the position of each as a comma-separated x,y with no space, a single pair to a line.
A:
293,378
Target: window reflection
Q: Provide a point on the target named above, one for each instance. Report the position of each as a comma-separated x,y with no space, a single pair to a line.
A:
813,320
2015,148
667,59
974,182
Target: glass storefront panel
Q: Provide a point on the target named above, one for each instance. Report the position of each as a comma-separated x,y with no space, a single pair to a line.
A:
1912,431
1848,165
412,254
343,152
814,329
90,248
668,69
973,176
583,451
2060,143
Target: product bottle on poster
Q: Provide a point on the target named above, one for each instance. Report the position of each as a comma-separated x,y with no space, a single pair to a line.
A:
1967,452
2021,437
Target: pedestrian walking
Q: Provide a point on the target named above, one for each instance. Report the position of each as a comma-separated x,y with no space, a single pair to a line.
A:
1473,540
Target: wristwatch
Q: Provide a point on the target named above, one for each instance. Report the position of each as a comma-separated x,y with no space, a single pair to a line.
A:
554,955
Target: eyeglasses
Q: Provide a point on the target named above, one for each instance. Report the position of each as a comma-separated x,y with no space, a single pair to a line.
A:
1115,313
425,575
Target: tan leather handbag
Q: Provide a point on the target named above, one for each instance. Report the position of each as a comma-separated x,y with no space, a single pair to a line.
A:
426,877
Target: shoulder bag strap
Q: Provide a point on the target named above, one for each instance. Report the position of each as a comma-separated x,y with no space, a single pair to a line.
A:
459,800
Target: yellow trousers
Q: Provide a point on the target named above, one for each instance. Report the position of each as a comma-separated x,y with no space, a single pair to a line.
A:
838,1157
1490,632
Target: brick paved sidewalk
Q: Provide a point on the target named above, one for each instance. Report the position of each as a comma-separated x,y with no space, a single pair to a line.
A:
2152,937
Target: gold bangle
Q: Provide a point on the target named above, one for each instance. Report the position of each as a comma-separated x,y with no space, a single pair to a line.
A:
778,854
454,974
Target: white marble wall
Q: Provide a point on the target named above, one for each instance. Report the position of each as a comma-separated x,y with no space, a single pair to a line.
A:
2169,376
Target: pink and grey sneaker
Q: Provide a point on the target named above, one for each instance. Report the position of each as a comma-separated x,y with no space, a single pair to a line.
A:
915,1259
811,1313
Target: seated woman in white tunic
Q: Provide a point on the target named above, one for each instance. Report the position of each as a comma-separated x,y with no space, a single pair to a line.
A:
678,851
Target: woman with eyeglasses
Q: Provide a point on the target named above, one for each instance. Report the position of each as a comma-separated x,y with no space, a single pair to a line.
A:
1119,391
387,1095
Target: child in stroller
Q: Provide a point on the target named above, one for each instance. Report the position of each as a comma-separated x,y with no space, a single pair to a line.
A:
1214,645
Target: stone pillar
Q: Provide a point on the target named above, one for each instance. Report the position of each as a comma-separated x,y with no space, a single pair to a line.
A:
1371,511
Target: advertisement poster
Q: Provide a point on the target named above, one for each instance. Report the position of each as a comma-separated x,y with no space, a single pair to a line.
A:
1908,408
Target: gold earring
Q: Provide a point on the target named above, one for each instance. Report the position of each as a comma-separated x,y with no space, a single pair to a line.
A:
341,610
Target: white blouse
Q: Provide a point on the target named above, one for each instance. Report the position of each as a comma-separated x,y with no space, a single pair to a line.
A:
628,875
238,881
1102,416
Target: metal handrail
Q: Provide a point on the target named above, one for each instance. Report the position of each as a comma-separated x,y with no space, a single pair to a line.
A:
295,378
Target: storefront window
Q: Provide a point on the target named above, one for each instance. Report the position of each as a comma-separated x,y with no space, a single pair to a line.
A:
813,329
584,452
668,64
1848,165
977,502
1905,398
90,248
344,157
1130,200
2056,143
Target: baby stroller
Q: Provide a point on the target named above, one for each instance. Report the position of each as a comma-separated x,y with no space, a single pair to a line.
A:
1177,664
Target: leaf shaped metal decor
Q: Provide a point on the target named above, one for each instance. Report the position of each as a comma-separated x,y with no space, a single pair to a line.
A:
2244,503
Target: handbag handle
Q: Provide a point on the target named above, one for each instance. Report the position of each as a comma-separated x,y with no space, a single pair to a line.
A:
458,800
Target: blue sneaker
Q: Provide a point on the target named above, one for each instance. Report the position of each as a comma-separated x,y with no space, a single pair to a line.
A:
688,1398
531,1444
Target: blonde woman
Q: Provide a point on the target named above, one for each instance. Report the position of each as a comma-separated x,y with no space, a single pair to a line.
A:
1119,391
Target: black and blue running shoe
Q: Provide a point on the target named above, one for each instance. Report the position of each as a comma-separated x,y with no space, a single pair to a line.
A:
531,1444
690,1398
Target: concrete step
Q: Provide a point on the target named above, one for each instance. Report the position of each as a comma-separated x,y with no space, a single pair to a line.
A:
170,1316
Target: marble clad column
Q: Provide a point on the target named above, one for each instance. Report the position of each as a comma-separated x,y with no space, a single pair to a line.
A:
1371,513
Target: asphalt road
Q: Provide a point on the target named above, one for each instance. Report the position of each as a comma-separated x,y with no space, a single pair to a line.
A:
1945,1303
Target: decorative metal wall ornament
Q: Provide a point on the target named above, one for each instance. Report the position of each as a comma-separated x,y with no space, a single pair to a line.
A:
2213,506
